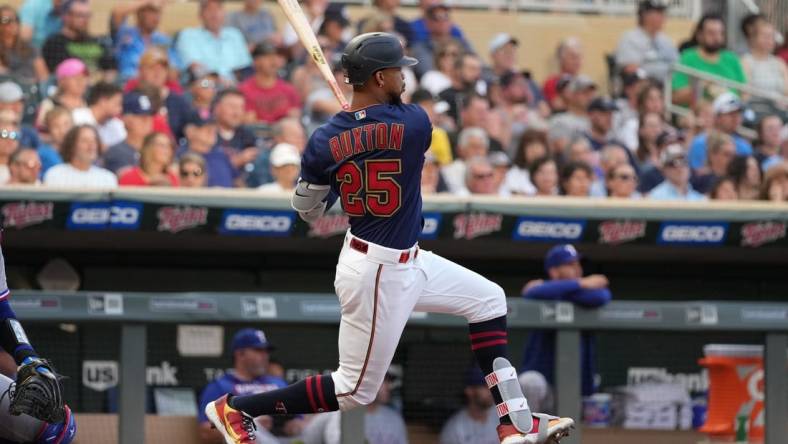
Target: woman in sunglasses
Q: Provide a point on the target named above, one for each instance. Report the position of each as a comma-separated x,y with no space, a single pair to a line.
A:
17,57
156,157
622,181
9,142
191,169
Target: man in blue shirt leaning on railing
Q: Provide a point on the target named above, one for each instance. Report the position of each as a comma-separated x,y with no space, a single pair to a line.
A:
565,284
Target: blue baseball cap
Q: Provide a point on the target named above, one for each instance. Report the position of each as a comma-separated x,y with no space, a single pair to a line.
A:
560,255
250,338
474,377
137,104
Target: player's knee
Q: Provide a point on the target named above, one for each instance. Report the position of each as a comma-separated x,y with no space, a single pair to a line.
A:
492,304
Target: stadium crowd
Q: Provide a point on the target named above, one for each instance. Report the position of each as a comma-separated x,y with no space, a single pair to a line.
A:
230,103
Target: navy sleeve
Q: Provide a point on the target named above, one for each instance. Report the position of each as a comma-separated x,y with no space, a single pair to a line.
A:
211,392
312,169
553,290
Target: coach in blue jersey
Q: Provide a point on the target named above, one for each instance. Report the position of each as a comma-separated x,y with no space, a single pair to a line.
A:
250,349
567,284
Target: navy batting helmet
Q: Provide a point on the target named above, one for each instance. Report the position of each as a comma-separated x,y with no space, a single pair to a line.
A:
371,52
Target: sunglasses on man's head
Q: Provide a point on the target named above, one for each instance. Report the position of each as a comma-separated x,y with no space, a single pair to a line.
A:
191,173
8,20
9,135
206,83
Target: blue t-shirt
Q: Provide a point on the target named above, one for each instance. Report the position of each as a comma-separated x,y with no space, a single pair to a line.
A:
130,45
221,172
697,151
372,158
229,383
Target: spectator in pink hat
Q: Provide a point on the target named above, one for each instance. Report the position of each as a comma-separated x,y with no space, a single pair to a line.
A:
72,84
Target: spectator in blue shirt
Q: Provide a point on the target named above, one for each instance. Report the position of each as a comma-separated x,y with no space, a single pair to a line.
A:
438,30
40,19
202,138
132,41
213,46
565,284
249,375
676,171
420,31
727,109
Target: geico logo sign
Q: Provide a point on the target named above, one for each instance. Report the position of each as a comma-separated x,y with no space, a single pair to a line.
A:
693,233
430,226
99,216
554,230
248,222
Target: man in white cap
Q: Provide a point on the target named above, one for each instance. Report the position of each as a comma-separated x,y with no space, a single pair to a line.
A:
285,168
12,98
727,109
676,185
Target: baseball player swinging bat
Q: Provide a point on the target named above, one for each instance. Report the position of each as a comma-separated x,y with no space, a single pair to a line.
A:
370,158
297,18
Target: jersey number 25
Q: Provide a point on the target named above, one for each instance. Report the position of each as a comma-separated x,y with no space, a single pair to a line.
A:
382,195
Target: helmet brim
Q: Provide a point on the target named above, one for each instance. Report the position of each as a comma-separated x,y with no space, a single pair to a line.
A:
406,61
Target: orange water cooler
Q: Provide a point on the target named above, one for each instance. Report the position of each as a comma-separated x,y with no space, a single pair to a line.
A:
736,392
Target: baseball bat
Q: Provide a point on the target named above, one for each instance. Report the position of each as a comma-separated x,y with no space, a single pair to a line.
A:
297,18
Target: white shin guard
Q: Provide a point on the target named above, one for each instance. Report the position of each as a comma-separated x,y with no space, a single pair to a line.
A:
514,404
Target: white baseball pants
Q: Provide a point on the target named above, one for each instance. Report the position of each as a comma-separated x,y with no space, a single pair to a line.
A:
378,290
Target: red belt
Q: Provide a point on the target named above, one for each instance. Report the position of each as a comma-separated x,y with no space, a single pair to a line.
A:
363,247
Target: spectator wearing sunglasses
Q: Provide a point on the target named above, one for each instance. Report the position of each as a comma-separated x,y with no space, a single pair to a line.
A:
156,157
12,98
676,170
622,181
203,85
9,142
479,177
191,170
25,167
18,58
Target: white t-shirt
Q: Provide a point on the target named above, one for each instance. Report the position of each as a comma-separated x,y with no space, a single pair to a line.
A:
65,175
518,181
435,82
454,175
112,132
272,187
462,429
5,174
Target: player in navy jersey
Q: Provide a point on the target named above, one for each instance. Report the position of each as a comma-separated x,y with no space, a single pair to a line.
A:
370,159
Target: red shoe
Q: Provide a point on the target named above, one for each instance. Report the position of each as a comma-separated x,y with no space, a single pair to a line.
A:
546,430
236,426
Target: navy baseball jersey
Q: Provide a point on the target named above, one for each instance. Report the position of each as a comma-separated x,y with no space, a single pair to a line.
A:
372,159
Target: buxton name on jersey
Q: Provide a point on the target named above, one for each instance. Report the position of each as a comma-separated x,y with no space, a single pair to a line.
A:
372,159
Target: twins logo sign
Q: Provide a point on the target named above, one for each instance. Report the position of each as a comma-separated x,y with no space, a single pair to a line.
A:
257,223
104,216
547,229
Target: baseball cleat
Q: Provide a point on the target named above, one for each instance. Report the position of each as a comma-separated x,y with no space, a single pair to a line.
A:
236,426
547,430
